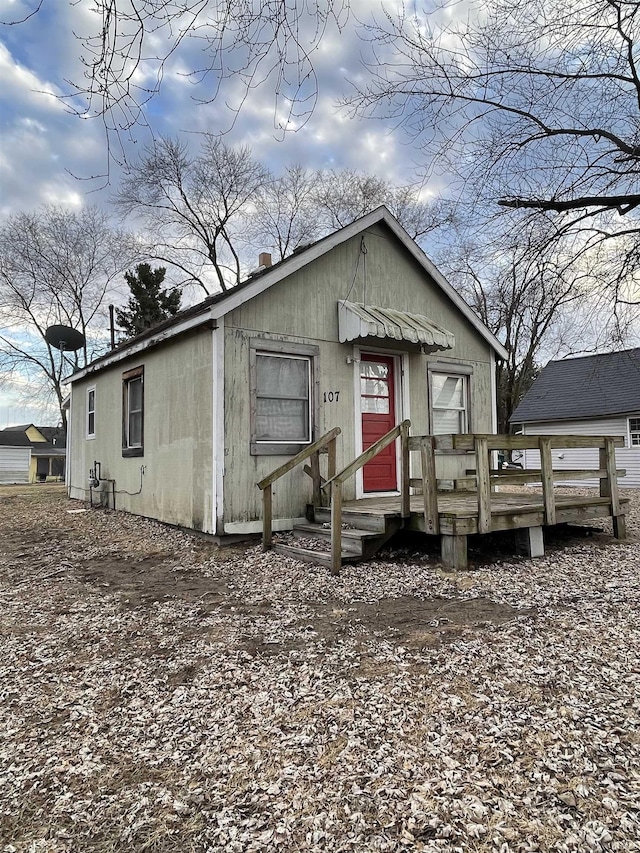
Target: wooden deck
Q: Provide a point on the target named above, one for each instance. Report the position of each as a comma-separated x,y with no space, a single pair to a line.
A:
479,503
458,511
458,517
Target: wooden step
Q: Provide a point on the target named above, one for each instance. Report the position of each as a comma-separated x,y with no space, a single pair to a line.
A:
308,555
353,540
360,520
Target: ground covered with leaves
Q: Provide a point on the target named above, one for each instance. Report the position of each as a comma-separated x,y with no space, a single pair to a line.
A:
159,695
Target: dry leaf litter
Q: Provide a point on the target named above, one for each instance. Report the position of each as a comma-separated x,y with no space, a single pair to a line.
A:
159,695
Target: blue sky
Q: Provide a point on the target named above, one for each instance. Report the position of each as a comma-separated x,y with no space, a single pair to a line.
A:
48,155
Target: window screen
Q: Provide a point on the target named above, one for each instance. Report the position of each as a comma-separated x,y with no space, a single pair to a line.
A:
283,410
449,403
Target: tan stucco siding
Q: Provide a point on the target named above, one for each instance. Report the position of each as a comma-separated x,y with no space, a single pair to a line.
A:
303,309
177,460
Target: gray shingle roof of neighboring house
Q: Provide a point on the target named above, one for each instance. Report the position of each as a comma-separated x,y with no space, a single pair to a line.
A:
14,438
593,386
55,436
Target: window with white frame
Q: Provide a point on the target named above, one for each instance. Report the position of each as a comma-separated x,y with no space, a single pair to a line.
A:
133,412
282,398
91,412
634,432
449,393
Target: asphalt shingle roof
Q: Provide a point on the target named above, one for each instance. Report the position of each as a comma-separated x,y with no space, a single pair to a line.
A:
13,438
590,387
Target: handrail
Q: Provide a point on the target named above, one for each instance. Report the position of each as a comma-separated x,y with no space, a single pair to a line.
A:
482,444
313,450
335,484
368,454
299,457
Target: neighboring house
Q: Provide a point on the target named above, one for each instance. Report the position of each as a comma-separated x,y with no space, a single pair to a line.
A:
592,395
15,457
48,451
358,330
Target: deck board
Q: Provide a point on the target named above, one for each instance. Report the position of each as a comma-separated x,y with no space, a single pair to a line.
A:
458,512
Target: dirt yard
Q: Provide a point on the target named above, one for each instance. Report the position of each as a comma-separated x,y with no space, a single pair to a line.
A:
157,694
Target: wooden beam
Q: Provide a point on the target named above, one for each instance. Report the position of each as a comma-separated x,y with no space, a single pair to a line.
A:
534,475
546,463
484,485
336,527
266,518
453,550
405,504
369,453
465,442
299,457
429,485
317,480
529,542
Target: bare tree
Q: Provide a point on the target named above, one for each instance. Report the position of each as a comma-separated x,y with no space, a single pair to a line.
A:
204,212
534,104
224,49
533,296
286,215
55,268
195,206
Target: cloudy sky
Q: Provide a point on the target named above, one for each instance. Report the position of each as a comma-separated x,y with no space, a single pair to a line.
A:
48,155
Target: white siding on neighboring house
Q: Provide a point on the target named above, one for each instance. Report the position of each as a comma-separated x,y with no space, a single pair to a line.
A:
626,457
14,464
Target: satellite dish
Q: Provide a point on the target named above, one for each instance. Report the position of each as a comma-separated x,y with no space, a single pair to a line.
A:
64,338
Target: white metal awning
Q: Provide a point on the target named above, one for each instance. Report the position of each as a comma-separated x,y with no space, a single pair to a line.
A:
356,320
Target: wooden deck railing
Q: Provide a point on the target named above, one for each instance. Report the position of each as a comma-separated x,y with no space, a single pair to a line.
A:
335,485
311,452
485,478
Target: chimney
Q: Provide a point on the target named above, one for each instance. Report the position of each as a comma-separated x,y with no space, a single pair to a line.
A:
264,259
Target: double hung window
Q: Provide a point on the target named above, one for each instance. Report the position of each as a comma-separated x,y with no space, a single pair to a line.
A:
449,402
133,412
91,412
282,397
634,432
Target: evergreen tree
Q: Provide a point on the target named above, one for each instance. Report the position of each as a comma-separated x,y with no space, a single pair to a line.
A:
149,303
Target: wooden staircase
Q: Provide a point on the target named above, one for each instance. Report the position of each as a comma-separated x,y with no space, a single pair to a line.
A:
353,535
362,536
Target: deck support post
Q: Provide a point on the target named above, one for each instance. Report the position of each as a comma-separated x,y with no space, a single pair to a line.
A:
429,484
266,518
484,485
453,551
529,542
336,527
609,488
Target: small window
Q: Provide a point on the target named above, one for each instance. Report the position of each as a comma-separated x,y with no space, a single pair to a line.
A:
133,412
449,403
283,399
282,396
634,432
91,412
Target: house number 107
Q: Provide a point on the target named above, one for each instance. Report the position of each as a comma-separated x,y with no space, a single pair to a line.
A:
331,396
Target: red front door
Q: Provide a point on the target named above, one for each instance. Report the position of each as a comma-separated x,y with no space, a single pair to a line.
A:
378,406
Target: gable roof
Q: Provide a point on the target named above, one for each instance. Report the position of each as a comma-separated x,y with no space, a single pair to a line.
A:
14,438
54,437
216,306
593,386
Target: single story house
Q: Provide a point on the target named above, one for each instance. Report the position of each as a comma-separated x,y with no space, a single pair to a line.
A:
358,330
590,395
48,451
